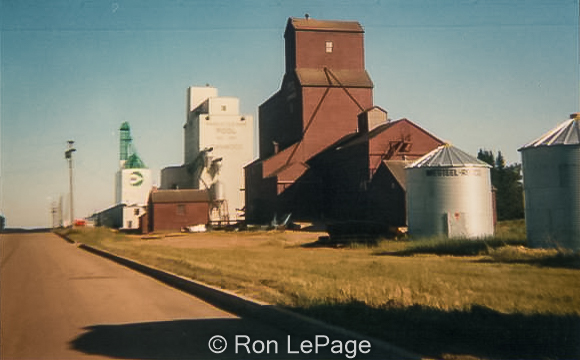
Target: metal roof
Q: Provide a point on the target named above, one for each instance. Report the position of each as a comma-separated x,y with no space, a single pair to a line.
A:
179,196
334,78
325,25
358,138
134,162
567,133
447,156
397,169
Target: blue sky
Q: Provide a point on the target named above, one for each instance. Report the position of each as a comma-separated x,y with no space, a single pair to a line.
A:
491,74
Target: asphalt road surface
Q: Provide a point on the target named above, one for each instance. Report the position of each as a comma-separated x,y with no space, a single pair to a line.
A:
60,302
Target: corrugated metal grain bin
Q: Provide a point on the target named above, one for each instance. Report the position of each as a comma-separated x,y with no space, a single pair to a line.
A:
449,193
551,167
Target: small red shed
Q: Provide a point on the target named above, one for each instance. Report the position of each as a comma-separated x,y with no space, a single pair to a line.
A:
171,210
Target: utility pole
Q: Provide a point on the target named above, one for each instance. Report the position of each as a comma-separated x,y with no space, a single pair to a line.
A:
60,220
54,213
68,156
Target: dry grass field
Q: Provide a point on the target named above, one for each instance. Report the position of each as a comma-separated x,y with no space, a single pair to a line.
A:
440,298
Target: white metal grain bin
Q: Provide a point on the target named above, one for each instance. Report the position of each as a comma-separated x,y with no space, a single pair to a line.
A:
449,193
551,167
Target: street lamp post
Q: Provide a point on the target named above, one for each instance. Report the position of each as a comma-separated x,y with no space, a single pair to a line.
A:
68,156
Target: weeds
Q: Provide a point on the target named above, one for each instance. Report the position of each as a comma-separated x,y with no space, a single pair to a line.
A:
544,257
508,233
454,247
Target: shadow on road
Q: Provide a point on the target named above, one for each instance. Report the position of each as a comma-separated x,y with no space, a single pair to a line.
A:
478,332
189,339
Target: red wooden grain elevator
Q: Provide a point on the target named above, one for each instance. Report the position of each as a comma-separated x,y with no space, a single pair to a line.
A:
326,101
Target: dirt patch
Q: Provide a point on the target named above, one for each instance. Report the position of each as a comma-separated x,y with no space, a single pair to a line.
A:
218,239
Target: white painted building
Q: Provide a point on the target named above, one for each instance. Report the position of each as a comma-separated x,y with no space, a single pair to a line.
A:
133,182
215,123
133,185
132,189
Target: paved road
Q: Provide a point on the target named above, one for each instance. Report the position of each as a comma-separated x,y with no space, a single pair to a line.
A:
59,302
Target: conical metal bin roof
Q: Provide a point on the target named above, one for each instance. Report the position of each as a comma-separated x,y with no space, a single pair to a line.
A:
567,133
447,156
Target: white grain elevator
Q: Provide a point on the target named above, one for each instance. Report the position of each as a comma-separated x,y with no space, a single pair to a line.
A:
133,181
218,143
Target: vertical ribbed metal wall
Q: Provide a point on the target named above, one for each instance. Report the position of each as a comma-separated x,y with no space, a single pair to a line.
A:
454,202
551,166
552,196
449,194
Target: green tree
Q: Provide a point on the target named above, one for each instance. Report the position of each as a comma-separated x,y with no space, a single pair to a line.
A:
486,156
500,161
507,181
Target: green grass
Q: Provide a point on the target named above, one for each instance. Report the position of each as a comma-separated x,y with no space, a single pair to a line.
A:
507,233
93,236
507,246
429,301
